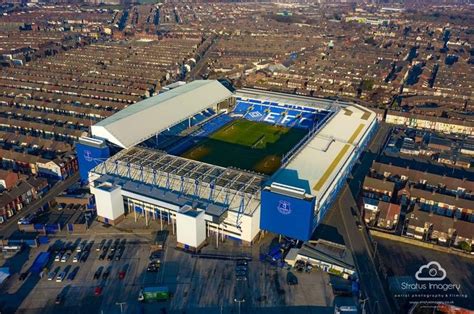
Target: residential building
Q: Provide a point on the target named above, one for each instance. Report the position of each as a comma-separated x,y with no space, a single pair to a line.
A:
388,215
8,179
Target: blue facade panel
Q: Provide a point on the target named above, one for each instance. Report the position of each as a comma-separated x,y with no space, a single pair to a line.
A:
88,157
287,215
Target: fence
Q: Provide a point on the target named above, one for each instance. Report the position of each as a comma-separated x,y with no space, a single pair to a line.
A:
425,245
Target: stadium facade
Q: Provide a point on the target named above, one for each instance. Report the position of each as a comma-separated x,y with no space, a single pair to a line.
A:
158,173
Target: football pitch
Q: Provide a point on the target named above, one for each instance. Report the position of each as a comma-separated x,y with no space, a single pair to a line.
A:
247,145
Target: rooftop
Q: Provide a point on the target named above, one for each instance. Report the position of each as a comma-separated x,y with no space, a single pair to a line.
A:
329,252
139,121
229,186
317,165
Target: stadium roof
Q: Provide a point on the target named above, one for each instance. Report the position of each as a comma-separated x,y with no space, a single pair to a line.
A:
142,120
289,99
319,163
188,177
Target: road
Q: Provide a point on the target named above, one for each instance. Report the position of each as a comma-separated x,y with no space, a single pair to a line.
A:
199,67
12,224
341,218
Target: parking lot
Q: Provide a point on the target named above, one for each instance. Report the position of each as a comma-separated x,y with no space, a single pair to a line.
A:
79,294
197,285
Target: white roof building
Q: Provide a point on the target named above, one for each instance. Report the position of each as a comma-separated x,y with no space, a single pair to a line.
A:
146,118
316,167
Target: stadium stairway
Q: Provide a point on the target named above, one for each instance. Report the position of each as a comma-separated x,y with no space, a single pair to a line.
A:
205,130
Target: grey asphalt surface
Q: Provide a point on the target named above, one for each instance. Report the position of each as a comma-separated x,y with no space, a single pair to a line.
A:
199,285
11,225
340,226
401,260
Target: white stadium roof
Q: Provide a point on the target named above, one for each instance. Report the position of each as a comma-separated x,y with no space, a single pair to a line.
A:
142,120
317,165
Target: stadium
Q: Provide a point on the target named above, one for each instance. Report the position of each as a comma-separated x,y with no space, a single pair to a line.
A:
229,163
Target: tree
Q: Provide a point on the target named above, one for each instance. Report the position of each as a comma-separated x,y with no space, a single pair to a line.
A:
465,246
367,84
370,41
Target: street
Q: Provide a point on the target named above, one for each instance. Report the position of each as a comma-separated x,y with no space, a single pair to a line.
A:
341,219
11,225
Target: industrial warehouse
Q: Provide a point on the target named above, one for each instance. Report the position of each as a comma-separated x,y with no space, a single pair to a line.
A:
208,160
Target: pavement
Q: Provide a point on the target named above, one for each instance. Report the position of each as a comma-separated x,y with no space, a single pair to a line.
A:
11,225
340,226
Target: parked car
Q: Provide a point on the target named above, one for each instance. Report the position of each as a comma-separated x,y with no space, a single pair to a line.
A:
155,255
115,245
153,266
106,274
23,276
107,245
69,247
291,279
119,254
59,299
242,262
88,246
27,219
52,274
80,248
84,256
102,255
61,276
65,257
98,272
240,268
300,265
241,273
58,257
121,274
73,274
241,278
98,291
111,256
76,258
100,246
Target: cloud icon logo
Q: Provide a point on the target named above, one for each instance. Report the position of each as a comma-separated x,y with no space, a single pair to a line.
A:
431,271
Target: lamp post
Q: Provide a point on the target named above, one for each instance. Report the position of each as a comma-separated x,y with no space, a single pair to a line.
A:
240,304
363,304
121,304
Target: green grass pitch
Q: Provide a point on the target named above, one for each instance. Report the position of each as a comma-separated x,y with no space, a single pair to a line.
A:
247,145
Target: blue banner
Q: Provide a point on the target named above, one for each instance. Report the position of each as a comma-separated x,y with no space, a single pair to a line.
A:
288,216
88,157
